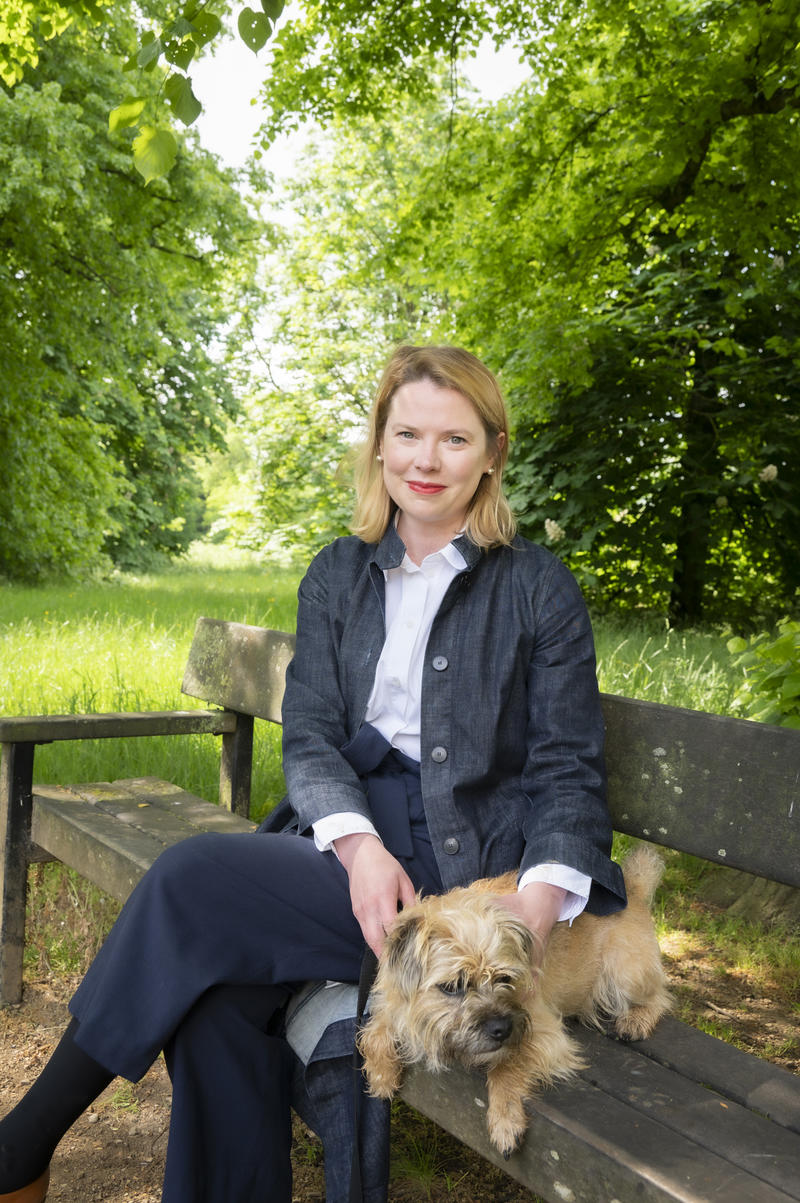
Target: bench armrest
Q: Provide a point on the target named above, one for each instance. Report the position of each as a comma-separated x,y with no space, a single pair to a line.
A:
46,728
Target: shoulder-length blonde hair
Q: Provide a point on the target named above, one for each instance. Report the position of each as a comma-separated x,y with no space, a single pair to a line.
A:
489,521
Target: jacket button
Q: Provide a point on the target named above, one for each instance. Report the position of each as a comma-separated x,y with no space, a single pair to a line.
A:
451,846
439,755
440,663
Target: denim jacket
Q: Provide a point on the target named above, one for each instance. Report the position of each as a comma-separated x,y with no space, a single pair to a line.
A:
512,732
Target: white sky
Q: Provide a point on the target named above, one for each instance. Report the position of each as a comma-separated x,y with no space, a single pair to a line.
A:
226,83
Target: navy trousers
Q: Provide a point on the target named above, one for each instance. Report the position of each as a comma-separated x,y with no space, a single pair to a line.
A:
198,964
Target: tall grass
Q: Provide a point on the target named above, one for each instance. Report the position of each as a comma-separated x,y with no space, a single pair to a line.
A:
122,646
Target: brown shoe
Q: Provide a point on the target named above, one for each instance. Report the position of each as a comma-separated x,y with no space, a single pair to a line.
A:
34,1192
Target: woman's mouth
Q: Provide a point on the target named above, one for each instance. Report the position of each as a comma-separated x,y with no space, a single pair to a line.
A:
421,486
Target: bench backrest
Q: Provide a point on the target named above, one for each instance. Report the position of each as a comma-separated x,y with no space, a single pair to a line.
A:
724,789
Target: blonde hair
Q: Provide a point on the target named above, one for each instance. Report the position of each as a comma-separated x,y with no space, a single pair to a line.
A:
489,521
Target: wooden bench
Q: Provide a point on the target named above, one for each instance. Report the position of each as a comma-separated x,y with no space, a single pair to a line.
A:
681,1116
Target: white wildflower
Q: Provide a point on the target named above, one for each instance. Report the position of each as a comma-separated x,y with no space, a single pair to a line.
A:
553,531
769,473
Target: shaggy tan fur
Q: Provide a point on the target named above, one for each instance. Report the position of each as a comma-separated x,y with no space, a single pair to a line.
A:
456,984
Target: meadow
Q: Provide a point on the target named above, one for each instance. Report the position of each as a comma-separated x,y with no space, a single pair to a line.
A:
121,645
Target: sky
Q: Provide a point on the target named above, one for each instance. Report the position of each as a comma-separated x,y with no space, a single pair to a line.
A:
227,83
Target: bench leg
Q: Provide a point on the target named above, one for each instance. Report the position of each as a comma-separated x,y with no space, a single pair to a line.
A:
16,778
236,766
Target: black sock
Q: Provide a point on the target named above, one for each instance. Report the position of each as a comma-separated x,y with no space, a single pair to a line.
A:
68,1084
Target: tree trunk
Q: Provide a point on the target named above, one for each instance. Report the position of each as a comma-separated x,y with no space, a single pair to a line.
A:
700,472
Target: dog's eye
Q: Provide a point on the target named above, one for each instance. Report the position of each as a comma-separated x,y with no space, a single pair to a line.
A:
503,979
451,987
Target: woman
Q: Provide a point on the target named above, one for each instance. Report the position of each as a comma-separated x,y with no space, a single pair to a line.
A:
441,723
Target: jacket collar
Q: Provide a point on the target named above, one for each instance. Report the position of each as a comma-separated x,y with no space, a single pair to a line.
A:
391,549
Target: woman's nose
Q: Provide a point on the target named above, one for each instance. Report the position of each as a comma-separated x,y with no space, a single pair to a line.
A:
427,458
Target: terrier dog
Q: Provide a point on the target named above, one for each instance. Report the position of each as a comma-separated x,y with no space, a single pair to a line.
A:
456,983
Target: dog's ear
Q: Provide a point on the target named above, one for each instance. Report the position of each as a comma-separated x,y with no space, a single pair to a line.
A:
402,954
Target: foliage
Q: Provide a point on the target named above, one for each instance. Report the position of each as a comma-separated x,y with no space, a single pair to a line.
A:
770,691
337,308
115,304
617,239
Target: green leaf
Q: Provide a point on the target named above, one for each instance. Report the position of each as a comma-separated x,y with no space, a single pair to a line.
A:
206,26
126,114
154,152
791,686
736,645
254,28
273,8
181,99
180,54
149,51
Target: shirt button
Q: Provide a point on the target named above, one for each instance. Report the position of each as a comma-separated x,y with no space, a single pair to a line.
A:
439,755
440,663
451,846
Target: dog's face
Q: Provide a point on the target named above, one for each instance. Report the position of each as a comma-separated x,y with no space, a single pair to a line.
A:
457,979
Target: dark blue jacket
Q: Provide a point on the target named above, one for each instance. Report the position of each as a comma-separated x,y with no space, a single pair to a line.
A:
512,731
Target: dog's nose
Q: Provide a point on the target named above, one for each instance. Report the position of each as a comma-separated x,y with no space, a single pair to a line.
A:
498,1027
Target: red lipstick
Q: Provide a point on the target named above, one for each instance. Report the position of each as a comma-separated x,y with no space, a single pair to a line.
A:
420,486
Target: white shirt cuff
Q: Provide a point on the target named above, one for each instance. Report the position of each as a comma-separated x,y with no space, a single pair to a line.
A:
333,827
576,884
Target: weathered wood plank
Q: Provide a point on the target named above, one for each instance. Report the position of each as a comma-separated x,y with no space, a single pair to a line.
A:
16,769
585,1146
112,832
724,789
194,811
107,852
135,809
736,1075
239,667
46,728
730,1131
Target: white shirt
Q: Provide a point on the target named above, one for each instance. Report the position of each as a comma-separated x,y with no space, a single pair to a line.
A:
414,593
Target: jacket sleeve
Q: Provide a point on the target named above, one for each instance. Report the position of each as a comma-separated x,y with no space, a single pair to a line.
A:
564,776
319,779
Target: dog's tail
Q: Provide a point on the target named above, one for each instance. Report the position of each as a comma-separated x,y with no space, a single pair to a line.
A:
643,869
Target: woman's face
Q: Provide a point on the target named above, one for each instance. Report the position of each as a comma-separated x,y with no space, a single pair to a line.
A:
435,451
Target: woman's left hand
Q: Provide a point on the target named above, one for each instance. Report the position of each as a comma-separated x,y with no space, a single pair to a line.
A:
538,905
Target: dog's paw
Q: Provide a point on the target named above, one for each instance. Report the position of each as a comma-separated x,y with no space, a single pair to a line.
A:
638,1022
506,1128
383,1085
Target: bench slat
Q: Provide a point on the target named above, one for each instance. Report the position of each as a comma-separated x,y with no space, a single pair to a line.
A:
239,667
750,1141
737,1075
112,854
45,728
194,811
724,789
587,1146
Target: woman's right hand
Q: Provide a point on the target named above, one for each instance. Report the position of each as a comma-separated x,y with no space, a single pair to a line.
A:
379,885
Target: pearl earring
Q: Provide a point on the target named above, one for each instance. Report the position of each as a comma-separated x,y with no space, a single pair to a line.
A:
490,471
379,458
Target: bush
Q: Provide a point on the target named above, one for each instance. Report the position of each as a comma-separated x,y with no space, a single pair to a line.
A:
770,691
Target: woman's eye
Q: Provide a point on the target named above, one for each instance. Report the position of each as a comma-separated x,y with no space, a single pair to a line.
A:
457,439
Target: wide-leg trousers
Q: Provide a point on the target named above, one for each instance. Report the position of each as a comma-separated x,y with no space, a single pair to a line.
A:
196,965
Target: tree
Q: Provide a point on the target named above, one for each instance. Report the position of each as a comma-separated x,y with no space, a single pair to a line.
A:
618,240
116,304
337,307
